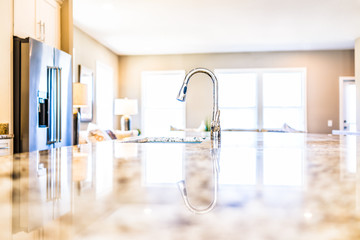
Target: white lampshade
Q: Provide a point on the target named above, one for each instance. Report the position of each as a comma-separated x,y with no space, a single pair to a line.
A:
80,95
124,106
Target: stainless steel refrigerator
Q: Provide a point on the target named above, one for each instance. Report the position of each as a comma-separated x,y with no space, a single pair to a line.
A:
42,96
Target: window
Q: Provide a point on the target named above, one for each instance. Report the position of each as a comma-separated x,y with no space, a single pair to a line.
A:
238,99
104,96
160,109
262,98
283,100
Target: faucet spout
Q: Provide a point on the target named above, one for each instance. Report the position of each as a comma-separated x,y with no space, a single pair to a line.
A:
182,93
215,122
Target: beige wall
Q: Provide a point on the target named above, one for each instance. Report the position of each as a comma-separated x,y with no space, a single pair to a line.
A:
323,71
6,32
86,52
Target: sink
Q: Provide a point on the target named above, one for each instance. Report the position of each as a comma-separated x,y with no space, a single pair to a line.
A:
163,140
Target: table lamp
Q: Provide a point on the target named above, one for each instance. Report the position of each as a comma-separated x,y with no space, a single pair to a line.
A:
80,99
126,107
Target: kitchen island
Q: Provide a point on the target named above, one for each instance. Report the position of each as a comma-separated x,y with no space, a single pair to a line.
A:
257,186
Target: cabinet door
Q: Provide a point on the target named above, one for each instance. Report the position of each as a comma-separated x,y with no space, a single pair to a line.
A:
48,21
24,18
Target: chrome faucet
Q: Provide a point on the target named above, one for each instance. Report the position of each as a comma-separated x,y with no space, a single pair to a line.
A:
215,121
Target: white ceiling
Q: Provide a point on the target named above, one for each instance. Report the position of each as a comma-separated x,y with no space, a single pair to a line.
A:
133,27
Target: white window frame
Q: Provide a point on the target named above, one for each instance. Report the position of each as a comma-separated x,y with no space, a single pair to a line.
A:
259,95
144,96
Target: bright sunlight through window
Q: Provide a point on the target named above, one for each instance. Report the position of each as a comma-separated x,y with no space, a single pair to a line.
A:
160,109
262,98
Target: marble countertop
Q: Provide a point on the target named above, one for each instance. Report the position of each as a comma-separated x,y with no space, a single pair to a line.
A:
253,186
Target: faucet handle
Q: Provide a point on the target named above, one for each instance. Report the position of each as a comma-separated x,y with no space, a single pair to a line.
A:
215,124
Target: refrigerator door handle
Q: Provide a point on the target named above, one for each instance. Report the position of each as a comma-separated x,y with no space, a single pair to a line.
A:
54,89
58,76
50,135
48,71
56,105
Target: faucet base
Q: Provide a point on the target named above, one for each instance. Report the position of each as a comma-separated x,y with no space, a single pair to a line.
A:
215,135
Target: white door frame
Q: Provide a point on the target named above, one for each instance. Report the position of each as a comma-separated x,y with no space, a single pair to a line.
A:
342,81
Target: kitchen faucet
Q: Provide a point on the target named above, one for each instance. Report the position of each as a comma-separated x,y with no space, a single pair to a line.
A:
215,121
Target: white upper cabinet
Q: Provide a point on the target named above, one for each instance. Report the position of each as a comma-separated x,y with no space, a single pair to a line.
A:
48,22
39,19
24,18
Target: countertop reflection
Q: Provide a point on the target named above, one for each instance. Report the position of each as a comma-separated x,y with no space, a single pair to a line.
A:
265,186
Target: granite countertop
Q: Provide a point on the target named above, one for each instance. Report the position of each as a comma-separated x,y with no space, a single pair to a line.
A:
254,186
